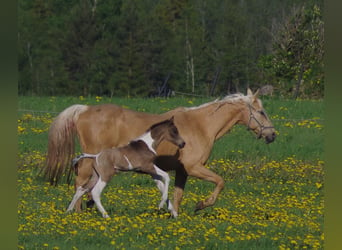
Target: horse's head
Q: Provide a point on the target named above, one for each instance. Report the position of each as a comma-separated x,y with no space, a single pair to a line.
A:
257,119
167,130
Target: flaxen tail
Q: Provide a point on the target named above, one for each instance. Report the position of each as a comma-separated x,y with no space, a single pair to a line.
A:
61,144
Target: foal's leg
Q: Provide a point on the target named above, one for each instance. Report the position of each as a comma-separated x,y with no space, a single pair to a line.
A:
96,193
161,187
205,174
164,189
79,192
84,172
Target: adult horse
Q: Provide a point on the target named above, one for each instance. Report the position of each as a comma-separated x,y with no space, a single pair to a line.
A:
104,126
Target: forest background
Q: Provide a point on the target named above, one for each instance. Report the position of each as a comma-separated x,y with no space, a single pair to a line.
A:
157,47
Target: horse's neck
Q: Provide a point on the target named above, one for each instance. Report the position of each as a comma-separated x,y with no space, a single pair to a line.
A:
221,117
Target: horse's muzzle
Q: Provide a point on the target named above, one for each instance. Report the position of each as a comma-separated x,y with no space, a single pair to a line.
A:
182,145
270,137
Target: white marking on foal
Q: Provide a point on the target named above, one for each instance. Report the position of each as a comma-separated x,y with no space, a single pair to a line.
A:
147,138
96,193
130,166
161,186
164,190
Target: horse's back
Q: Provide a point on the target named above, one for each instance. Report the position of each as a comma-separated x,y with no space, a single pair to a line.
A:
109,125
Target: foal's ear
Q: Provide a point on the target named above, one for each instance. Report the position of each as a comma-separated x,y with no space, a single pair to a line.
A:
172,119
249,92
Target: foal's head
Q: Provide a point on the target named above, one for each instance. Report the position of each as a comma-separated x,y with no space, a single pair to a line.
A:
257,119
166,130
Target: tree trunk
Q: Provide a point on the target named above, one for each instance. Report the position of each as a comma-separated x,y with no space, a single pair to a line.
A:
300,77
190,59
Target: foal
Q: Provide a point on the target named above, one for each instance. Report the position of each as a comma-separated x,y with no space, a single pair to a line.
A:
138,156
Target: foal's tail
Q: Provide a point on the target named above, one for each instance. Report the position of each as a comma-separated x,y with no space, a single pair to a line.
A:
79,157
61,143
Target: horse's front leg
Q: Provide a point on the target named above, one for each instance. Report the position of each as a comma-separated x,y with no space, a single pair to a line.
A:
203,173
180,181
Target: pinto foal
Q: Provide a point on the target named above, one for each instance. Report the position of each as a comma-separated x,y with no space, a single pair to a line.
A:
138,156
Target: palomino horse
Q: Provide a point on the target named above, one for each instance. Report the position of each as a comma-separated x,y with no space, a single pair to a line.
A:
104,126
137,156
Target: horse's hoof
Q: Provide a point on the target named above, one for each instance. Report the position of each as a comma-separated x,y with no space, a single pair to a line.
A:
174,214
161,205
199,206
105,215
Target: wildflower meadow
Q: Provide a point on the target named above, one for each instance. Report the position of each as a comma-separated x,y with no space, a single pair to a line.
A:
273,196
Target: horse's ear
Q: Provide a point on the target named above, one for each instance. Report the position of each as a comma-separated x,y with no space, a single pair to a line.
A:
249,92
172,119
256,94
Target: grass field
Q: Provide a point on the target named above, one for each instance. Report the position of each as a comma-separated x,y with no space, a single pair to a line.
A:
273,196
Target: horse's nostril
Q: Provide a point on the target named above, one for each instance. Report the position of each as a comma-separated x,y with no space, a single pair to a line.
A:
182,145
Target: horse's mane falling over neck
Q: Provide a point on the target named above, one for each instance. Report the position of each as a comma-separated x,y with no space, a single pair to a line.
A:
233,98
221,114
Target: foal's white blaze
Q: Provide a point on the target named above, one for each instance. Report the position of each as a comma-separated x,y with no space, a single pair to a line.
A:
147,138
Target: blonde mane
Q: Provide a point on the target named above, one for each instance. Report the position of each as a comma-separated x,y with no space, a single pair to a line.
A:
233,98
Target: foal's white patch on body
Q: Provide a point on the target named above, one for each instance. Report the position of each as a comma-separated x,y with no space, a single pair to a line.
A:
130,166
147,138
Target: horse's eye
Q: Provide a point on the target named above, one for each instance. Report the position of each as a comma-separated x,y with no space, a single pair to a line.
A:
262,113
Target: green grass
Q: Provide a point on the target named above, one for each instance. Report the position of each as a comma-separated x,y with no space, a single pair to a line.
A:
273,196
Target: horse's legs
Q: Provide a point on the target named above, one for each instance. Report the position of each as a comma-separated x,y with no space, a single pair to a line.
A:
84,172
96,193
160,185
180,180
79,192
206,174
164,189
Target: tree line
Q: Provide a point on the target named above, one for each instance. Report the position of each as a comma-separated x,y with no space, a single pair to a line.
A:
152,47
